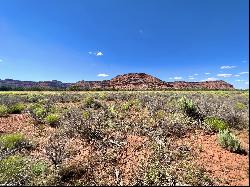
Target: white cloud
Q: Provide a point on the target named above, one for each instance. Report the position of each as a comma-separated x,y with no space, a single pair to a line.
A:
227,67
246,72
236,75
247,82
170,78
210,79
191,78
99,53
102,75
196,74
177,78
1,60
224,75
239,80
207,73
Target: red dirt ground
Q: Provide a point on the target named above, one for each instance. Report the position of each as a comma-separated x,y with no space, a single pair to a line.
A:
232,169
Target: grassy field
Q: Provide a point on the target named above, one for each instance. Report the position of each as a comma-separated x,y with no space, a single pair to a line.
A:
124,138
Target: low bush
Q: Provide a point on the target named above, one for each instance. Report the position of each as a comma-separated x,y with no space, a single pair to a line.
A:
10,141
40,111
157,175
188,107
130,103
215,124
240,106
16,108
52,119
86,115
39,168
229,141
3,110
14,170
90,102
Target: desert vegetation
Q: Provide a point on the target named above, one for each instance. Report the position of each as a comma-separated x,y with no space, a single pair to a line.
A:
124,138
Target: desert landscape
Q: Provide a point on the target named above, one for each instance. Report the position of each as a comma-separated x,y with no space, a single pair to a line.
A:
124,93
124,138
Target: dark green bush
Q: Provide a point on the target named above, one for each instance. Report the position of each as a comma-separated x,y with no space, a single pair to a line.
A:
188,107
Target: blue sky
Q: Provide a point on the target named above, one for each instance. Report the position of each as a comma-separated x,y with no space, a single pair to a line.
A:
72,40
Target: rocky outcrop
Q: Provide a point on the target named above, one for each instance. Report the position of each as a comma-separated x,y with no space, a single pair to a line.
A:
141,81
130,81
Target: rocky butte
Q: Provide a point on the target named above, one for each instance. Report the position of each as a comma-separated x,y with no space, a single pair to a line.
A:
130,81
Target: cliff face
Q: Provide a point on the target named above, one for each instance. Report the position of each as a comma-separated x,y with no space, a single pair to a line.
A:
130,81
29,84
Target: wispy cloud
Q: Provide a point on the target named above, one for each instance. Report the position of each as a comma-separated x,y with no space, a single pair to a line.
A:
102,75
98,53
239,80
236,75
246,72
224,75
247,82
177,78
207,73
1,60
210,79
191,78
196,74
170,78
227,67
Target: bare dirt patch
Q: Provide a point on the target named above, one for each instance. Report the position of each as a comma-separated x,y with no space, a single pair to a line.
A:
227,167
132,155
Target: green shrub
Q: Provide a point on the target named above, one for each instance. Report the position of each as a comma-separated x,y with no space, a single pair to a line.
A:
52,119
240,106
3,110
113,110
39,168
10,141
215,124
40,111
156,175
86,115
16,108
229,141
90,102
130,103
187,107
14,170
